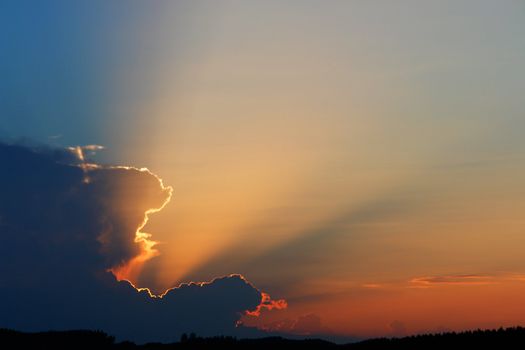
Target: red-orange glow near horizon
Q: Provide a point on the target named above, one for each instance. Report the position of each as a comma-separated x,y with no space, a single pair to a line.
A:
131,270
427,304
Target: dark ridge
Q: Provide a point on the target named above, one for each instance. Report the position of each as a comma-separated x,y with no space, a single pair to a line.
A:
82,339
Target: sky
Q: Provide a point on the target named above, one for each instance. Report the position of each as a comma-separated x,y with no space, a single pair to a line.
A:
361,160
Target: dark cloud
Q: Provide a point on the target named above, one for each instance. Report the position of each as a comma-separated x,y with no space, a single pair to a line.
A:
60,235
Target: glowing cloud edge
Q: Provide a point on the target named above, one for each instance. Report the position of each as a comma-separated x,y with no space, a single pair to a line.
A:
123,272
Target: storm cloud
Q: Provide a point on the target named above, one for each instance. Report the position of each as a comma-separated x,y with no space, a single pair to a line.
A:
66,224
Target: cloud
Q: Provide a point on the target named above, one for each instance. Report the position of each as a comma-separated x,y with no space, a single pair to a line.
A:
63,238
268,304
80,151
466,279
428,281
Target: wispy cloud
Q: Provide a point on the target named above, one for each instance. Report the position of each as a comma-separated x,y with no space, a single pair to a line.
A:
427,281
464,279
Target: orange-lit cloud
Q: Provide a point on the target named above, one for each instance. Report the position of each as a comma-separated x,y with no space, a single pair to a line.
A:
131,269
268,304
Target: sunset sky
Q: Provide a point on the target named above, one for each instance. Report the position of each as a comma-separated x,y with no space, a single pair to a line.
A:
362,160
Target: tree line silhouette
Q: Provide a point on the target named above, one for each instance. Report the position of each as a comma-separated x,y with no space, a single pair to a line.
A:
85,339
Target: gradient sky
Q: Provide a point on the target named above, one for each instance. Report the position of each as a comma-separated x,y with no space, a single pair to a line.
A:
363,160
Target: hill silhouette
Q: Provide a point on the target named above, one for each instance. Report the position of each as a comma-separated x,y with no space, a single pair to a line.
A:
83,339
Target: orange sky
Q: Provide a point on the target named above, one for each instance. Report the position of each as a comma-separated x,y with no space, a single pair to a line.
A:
332,154
448,303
